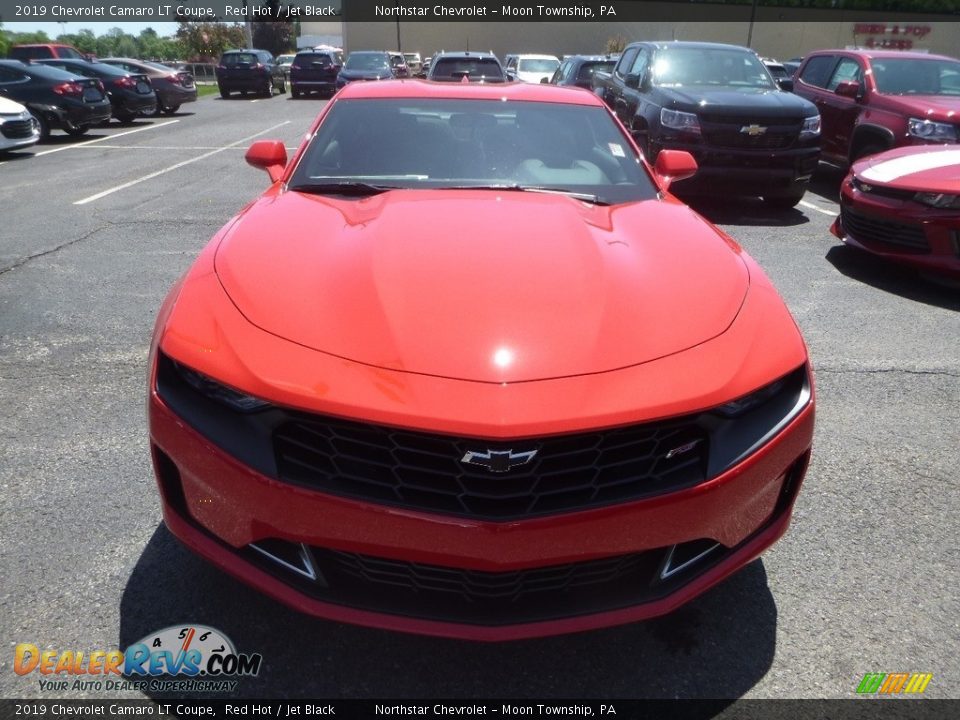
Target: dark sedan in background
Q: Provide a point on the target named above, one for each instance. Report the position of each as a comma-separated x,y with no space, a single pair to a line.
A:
57,99
249,71
578,70
173,87
130,93
366,65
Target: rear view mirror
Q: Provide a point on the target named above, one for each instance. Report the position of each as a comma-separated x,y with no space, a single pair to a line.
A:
544,81
269,155
673,165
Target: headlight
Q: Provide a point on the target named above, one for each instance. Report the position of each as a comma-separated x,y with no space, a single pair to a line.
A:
749,402
929,130
938,200
810,127
676,120
222,394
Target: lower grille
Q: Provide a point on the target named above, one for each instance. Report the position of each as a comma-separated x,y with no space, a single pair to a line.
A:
868,228
734,138
486,598
17,129
516,479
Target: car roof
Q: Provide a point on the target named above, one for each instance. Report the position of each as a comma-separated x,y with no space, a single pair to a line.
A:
43,70
883,54
466,53
532,56
525,92
664,45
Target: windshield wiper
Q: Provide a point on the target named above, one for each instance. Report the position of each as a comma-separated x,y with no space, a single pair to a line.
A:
347,187
517,187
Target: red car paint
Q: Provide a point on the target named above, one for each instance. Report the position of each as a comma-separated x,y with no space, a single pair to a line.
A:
881,215
552,317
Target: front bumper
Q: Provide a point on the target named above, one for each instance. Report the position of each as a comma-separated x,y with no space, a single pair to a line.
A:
218,507
18,132
741,171
899,229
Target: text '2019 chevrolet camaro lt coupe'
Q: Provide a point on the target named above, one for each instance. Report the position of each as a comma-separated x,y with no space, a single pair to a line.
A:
467,369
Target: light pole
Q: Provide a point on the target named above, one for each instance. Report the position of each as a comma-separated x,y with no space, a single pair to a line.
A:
753,14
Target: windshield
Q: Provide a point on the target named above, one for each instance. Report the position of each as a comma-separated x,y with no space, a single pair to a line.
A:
722,67
367,61
371,144
540,65
909,76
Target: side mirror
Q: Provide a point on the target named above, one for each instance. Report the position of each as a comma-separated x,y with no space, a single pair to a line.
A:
544,81
785,84
848,89
631,80
673,165
269,155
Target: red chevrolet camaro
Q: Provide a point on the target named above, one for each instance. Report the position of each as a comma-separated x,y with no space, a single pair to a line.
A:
904,205
467,369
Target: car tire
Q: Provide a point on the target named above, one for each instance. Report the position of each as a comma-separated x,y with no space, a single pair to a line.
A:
268,90
283,87
170,109
294,93
44,125
76,130
786,201
225,94
125,117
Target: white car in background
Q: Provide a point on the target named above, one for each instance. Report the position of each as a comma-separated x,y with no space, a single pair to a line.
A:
18,129
532,68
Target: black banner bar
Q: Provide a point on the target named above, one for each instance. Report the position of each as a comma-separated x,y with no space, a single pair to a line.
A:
114,11
865,708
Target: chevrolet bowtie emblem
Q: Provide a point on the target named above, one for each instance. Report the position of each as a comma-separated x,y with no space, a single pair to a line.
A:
498,461
753,130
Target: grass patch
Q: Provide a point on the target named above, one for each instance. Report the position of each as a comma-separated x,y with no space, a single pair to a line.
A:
203,90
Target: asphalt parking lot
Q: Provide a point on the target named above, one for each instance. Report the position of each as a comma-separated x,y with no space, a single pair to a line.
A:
93,231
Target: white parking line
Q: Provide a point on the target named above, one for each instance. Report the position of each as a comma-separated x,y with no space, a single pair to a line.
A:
158,173
108,137
815,208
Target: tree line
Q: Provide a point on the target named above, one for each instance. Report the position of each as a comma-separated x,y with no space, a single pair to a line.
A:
193,41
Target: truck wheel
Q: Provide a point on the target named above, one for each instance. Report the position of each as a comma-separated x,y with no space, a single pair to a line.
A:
786,201
863,151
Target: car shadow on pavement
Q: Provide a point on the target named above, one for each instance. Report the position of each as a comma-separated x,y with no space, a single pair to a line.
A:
892,278
745,211
826,182
718,646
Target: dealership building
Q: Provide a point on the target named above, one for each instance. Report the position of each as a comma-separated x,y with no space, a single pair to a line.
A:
774,32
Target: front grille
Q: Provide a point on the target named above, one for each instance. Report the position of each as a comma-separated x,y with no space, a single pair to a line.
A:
867,228
740,121
17,129
883,190
732,137
476,597
426,472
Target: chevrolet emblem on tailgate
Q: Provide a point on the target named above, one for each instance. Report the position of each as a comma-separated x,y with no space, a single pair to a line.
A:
753,130
498,461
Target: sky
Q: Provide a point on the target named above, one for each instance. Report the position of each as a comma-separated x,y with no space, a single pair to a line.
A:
52,29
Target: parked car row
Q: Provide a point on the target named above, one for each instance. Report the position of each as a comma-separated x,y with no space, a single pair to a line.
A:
72,94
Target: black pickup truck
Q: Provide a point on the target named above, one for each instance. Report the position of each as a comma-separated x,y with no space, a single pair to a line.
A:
719,103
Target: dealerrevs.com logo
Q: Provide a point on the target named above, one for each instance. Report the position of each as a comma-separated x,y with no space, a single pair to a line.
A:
180,658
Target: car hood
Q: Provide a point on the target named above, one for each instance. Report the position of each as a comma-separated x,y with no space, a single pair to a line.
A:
930,107
482,285
932,168
749,102
9,107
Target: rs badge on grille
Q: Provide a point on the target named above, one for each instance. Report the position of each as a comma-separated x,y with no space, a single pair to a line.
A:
498,461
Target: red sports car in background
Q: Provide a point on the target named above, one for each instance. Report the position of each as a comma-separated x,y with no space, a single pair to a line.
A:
467,369
904,205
